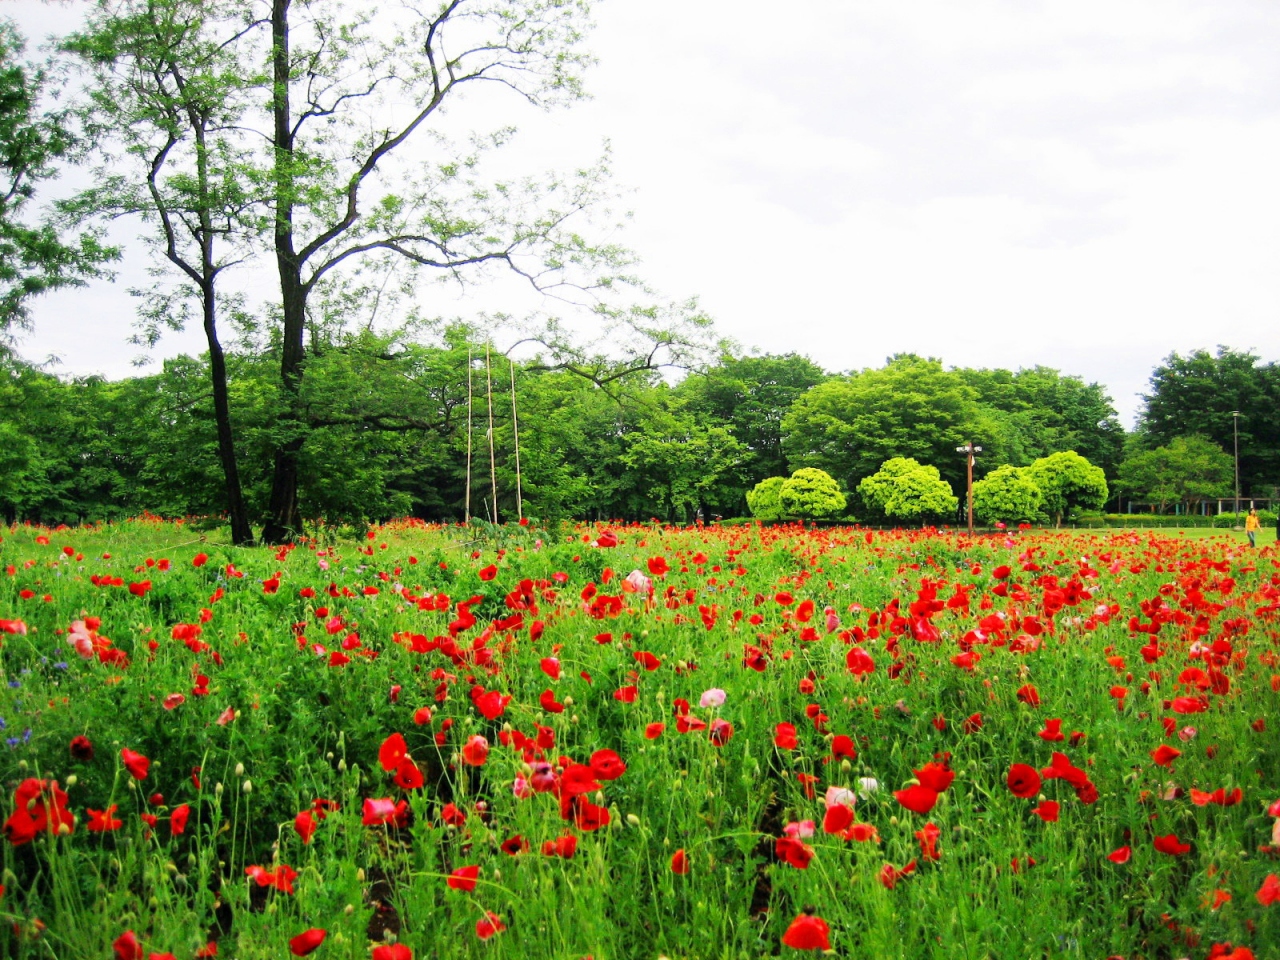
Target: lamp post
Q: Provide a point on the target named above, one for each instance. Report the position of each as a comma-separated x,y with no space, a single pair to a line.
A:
1235,431
969,450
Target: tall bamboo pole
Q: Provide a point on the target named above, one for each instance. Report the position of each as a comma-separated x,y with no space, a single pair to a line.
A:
493,462
515,432
467,510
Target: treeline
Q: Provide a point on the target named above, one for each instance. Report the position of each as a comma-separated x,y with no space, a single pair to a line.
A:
385,432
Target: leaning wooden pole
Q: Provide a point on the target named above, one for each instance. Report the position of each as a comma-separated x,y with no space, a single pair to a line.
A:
493,461
515,433
467,510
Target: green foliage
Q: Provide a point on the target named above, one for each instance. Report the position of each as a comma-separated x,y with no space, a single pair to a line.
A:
764,501
811,494
1068,482
750,395
904,489
1009,494
1195,395
848,426
34,257
1187,471
1038,411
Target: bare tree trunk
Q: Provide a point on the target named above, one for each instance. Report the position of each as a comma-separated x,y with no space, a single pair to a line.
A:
284,521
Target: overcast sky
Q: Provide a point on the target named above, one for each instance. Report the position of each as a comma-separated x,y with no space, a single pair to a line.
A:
1085,184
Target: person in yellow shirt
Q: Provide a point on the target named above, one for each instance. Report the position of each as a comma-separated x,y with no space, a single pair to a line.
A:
1251,527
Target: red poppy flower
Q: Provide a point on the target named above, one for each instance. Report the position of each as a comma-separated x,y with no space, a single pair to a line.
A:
654,730
82,748
549,703
475,751
837,818
917,798
307,941
576,780
392,751
489,572
305,824
607,765
1121,855
935,776
489,925
1029,695
1164,755
200,559
721,732
859,662
384,810
929,838
686,723
1052,731
392,951
492,704
1269,892
658,566
178,819
464,878
563,846
135,763
127,947
680,862
842,746
101,821
1171,845
794,851
408,776
784,736
588,816
1023,781
807,932
1047,811
646,660
890,875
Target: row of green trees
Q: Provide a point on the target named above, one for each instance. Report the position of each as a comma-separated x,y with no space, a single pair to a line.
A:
386,433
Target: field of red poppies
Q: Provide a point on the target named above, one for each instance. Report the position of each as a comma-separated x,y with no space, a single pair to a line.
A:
638,741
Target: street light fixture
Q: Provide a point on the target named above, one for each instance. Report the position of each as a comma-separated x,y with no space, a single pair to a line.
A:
969,450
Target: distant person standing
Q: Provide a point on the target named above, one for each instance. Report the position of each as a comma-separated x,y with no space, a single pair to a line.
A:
1251,527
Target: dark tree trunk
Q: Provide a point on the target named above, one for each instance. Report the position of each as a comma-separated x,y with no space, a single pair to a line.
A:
241,531
284,522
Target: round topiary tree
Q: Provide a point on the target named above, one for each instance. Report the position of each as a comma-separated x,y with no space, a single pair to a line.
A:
812,494
905,489
763,502
1069,482
1008,494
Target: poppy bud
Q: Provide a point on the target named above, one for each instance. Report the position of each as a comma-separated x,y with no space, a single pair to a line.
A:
248,786
72,780
239,769
342,765
633,820
217,789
